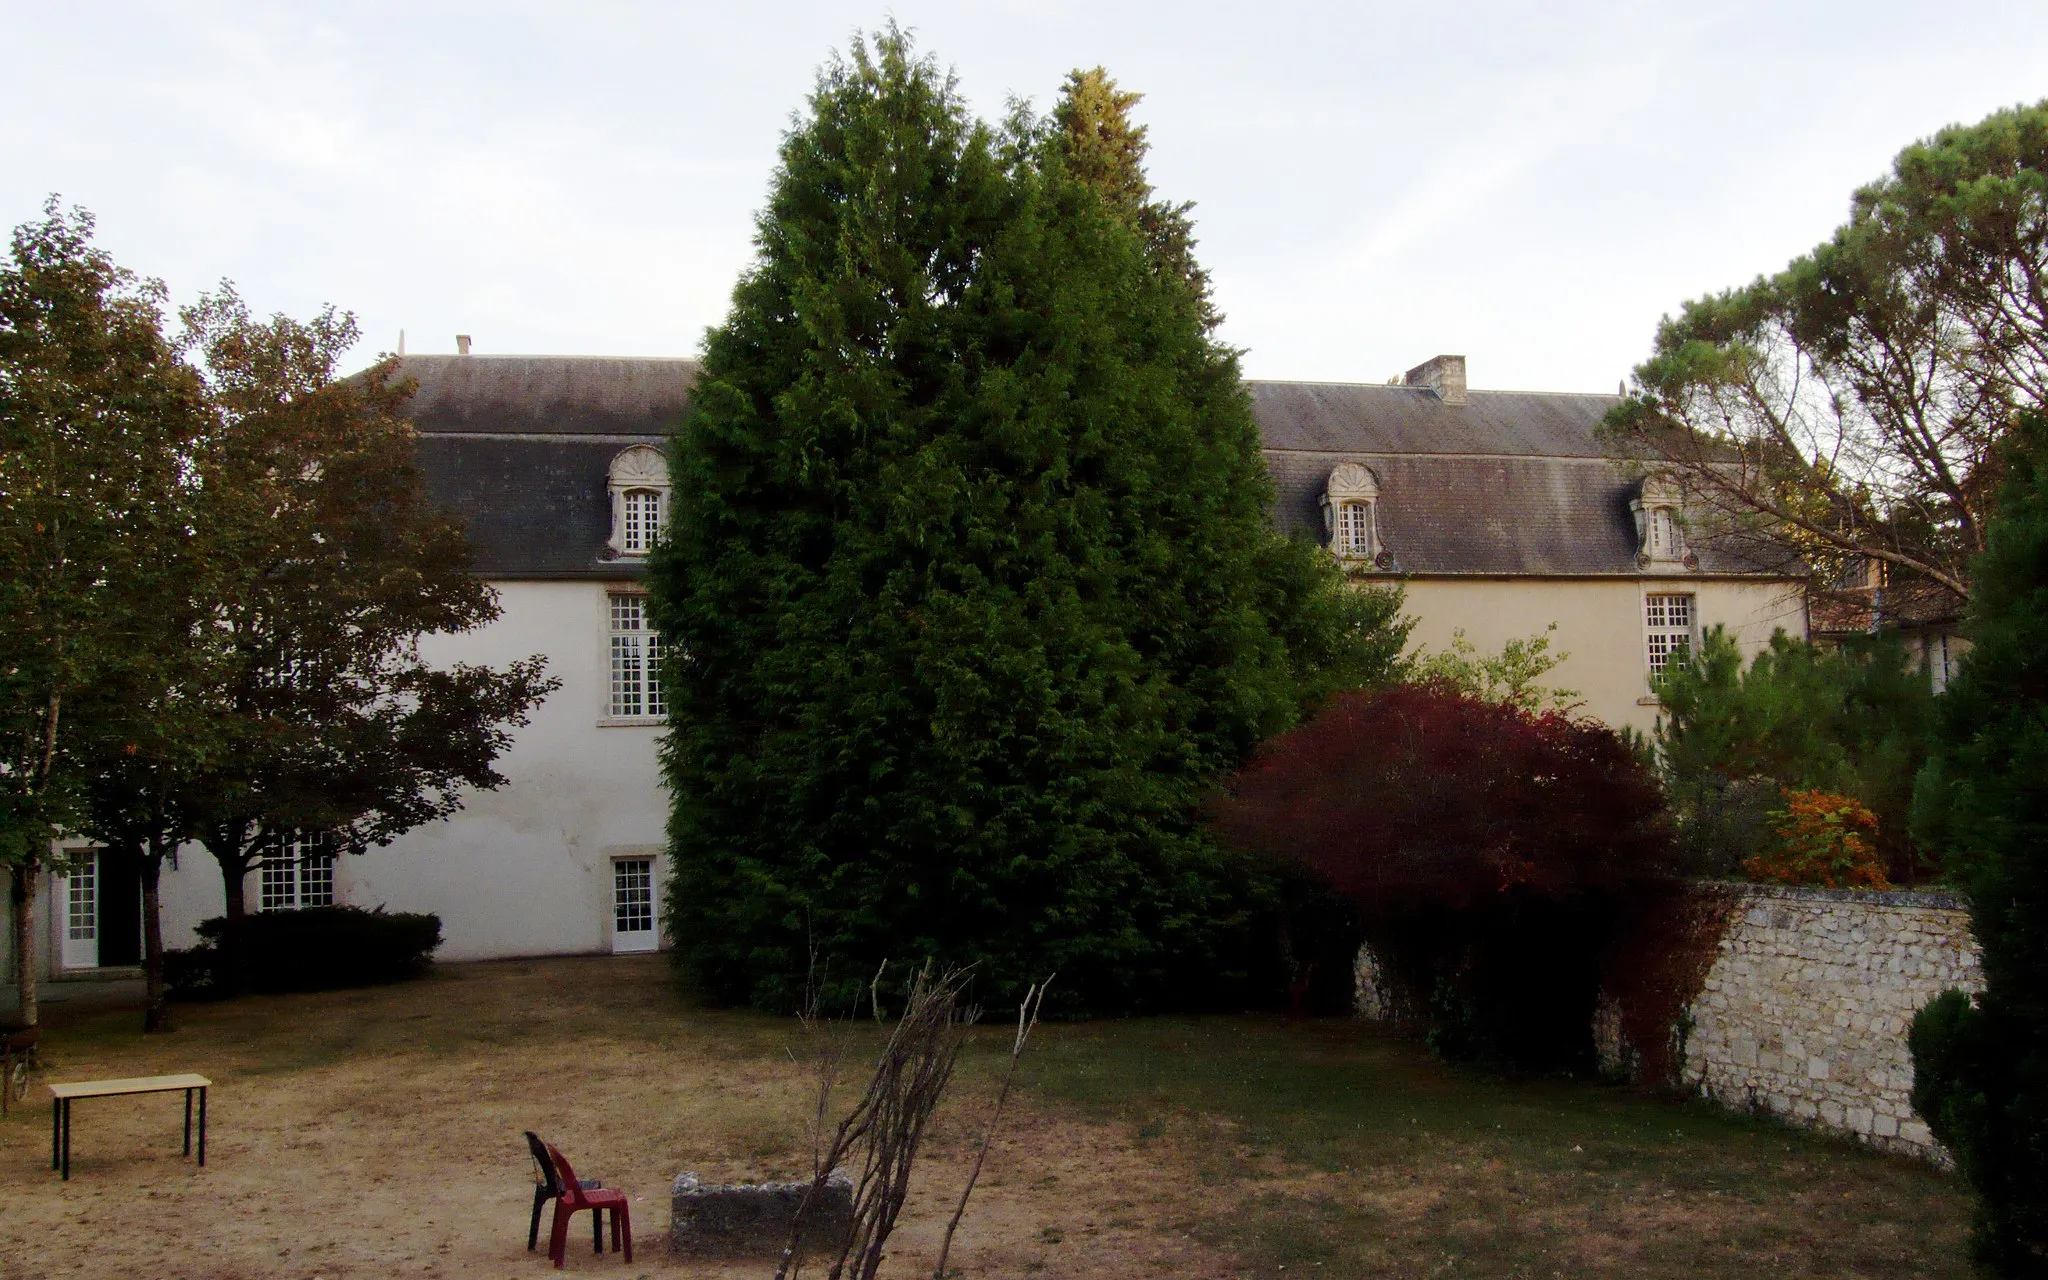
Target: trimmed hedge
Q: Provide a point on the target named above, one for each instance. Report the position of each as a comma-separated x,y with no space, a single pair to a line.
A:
317,949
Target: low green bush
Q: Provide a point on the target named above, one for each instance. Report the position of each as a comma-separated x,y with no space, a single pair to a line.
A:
317,949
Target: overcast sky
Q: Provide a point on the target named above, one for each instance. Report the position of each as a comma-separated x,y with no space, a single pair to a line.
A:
1531,185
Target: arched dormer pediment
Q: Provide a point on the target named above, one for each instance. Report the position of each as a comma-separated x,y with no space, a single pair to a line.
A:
1351,515
639,489
1659,511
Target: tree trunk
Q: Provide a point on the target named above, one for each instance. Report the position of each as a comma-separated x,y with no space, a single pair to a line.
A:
234,872
24,878
154,1012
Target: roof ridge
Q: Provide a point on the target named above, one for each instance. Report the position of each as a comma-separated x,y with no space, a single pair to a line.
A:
1397,386
540,355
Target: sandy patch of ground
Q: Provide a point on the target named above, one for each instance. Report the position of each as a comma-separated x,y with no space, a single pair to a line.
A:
377,1134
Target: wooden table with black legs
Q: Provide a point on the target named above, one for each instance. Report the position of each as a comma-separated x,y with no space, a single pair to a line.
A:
62,1096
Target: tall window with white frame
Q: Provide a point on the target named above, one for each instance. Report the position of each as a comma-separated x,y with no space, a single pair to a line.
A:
636,660
297,872
640,520
1354,529
1668,623
81,901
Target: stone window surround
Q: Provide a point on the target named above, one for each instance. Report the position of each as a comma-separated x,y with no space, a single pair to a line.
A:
1352,486
639,469
1659,511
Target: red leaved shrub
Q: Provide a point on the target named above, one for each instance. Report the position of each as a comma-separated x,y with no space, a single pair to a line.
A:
1419,795
1490,850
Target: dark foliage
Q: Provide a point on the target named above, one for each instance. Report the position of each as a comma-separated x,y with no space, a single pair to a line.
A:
1490,851
1981,1069
317,949
1856,720
1669,939
969,579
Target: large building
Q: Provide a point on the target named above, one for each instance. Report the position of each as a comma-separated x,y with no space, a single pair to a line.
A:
1497,511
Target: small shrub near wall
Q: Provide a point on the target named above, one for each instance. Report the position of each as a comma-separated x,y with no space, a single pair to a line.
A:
317,949
1491,851
1821,841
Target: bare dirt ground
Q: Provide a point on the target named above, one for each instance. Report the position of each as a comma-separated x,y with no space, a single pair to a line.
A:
377,1133
374,1134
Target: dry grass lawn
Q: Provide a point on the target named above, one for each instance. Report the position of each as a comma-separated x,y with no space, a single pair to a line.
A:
376,1133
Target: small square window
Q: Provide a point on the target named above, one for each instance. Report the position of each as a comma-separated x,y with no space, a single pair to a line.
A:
297,872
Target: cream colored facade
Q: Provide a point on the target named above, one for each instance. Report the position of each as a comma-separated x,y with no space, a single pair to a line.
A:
1601,628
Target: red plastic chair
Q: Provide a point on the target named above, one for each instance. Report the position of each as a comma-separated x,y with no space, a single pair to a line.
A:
575,1197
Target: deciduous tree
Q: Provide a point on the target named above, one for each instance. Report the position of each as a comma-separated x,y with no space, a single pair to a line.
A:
1490,849
332,566
97,419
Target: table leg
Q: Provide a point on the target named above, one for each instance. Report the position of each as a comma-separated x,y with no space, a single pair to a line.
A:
67,1139
188,1124
202,1128
56,1109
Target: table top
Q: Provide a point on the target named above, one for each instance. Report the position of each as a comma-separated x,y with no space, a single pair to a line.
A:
136,1084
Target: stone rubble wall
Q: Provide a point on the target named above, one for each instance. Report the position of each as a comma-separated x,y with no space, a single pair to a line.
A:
1805,1011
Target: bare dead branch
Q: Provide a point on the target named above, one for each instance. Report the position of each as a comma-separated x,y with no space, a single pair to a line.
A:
1027,1021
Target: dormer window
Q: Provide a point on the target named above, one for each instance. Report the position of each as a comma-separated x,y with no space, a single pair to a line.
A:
642,516
1350,503
1660,530
639,495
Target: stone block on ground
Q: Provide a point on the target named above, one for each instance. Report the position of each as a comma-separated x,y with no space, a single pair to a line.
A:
753,1219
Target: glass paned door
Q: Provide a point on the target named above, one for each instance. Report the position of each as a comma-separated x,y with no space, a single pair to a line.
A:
80,897
633,905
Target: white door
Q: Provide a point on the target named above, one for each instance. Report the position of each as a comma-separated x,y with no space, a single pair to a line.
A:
633,905
79,892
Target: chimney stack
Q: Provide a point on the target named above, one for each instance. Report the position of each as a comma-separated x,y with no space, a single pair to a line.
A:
1444,375
462,349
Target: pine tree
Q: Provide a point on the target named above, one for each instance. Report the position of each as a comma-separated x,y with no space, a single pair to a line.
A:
1981,1068
1104,149
969,581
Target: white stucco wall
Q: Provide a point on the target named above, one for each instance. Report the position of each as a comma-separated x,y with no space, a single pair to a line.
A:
525,869
1599,626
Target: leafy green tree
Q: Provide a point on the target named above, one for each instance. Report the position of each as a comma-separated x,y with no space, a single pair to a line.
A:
1510,678
1981,1067
1846,410
97,418
140,739
1856,720
331,565
969,582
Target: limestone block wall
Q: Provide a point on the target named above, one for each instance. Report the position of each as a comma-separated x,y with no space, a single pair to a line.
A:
1805,1010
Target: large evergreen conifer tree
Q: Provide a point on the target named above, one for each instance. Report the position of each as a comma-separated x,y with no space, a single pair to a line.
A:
969,585
1981,1068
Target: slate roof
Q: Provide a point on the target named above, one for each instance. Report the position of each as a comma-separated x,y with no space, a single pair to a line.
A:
560,395
1508,483
520,447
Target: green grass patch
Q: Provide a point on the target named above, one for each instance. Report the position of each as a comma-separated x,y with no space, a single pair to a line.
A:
1325,1146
